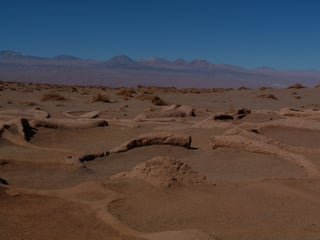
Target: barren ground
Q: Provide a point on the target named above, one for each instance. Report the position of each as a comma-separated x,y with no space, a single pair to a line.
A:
101,163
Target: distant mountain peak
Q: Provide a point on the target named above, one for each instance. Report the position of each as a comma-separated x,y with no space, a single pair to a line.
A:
121,59
10,54
157,60
14,55
265,68
200,62
180,61
66,57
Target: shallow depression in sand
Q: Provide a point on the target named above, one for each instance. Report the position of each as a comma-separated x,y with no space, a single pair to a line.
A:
126,161
44,177
226,211
93,139
293,136
234,164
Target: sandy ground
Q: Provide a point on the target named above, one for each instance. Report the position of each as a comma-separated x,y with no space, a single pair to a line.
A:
100,163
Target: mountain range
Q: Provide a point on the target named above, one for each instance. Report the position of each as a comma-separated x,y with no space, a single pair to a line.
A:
123,71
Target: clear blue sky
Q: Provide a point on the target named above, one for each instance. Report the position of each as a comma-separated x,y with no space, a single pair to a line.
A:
247,33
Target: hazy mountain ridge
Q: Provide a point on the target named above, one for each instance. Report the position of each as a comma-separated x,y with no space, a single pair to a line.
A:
123,71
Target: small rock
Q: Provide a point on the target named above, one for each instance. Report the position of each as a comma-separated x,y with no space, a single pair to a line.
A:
4,182
3,162
223,117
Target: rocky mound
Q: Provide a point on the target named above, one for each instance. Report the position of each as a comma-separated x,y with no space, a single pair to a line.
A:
166,172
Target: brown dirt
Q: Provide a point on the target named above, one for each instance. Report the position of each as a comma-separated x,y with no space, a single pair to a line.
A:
38,217
262,171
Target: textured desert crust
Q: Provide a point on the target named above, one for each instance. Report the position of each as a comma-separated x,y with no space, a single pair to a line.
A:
154,139
165,172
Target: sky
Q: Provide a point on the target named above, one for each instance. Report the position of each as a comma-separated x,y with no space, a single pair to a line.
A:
279,34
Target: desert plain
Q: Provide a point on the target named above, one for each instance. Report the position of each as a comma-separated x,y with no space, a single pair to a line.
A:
92,162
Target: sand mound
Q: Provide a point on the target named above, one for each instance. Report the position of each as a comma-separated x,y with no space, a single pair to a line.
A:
154,139
17,127
13,125
172,111
165,171
156,100
187,111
